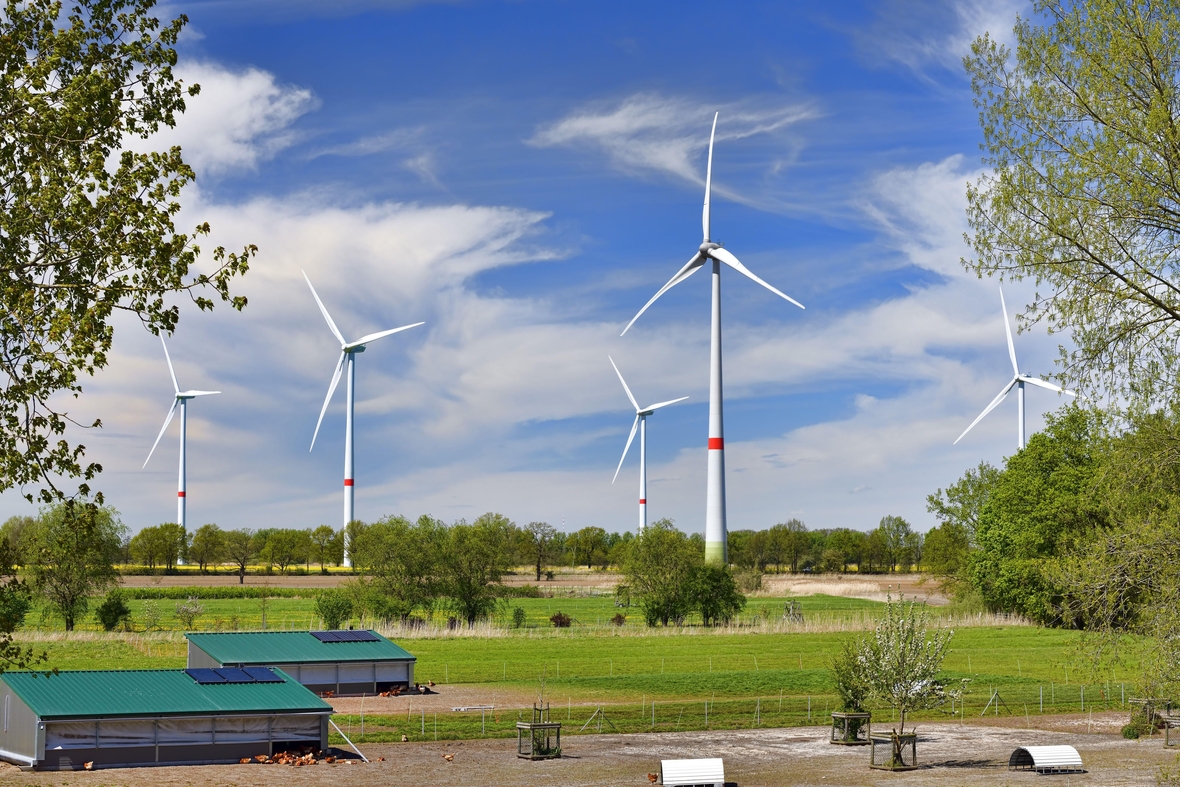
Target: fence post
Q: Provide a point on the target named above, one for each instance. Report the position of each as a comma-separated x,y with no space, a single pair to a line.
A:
1042,688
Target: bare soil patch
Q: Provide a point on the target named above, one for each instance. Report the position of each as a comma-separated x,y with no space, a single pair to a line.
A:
872,587
948,753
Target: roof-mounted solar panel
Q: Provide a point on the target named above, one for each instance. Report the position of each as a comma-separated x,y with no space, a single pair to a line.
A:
262,675
326,636
345,636
234,675
205,676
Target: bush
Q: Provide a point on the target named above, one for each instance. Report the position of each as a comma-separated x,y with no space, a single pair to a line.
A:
1131,732
561,620
188,612
113,611
518,617
619,619
211,593
334,607
151,615
749,580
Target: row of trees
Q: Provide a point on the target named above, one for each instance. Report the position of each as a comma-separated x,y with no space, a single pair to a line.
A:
892,546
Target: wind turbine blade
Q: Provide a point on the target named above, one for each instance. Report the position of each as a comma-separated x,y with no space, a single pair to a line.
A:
328,317
987,409
200,393
626,448
734,263
624,382
663,404
163,429
168,358
372,337
1008,330
1048,386
697,261
328,398
709,180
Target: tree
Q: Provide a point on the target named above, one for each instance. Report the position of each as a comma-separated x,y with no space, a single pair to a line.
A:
900,661
849,544
894,532
173,545
538,541
660,570
589,545
945,550
86,226
473,559
240,549
334,607
961,503
404,561
1080,130
875,552
353,531
792,542
208,546
323,539
715,594
113,611
71,556
15,603
145,546
12,533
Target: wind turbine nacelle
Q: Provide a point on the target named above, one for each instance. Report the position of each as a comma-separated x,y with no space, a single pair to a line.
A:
708,246
360,349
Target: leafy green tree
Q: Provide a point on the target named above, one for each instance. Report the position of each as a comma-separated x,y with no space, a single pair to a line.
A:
240,549
473,560
405,563
850,681
1080,130
848,544
113,612
145,546
334,607
589,546
945,550
1040,508
323,542
537,540
353,532
86,225
961,503
12,533
715,594
173,545
207,547
894,532
875,552
71,554
660,571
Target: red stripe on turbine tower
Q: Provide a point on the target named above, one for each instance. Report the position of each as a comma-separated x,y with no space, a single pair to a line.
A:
642,502
180,494
348,482
716,443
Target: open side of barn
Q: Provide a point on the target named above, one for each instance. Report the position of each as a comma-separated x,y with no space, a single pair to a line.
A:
323,664
149,717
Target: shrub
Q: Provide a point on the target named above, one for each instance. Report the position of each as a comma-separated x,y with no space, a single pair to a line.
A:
561,620
211,593
749,580
188,612
518,616
151,615
619,619
113,611
334,607
1131,732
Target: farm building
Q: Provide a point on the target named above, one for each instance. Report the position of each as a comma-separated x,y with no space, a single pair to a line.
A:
342,662
149,717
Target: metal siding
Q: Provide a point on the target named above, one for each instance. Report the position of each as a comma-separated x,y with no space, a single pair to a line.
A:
1054,757
709,771
21,736
115,693
199,659
278,647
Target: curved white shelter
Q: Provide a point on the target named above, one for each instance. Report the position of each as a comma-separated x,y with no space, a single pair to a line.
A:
692,773
1046,759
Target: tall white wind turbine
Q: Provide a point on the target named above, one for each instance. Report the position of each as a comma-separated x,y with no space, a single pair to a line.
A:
641,414
710,251
1018,380
348,352
180,400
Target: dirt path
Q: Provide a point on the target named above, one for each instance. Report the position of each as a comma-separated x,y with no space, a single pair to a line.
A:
950,754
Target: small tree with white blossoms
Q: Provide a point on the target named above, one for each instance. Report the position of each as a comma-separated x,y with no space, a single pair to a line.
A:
900,662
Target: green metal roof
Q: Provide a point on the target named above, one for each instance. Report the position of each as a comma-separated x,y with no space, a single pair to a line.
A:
291,647
89,694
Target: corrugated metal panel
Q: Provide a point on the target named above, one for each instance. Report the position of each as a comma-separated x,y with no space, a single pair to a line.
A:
692,772
1047,758
278,647
114,693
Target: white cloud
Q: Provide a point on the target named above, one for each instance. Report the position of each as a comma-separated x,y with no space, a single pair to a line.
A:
239,118
919,33
665,135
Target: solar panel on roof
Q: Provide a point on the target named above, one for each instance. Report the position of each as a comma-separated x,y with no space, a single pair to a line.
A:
345,636
205,676
326,636
262,675
234,675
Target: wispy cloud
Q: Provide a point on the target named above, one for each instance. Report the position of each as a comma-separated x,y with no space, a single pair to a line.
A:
922,33
375,143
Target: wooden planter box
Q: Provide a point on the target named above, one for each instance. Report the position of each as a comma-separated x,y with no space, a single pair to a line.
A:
883,756
851,729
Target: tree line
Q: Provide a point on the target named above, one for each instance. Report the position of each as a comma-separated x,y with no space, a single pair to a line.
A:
892,546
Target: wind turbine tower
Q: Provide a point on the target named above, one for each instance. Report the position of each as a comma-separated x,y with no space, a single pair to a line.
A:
1018,381
179,401
641,414
711,251
348,353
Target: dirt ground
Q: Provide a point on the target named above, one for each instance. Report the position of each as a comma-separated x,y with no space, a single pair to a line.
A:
949,754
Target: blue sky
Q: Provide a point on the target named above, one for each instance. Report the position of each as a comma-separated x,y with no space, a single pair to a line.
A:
523,176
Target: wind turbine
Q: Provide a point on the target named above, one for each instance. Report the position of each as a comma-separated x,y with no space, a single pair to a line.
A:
641,414
348,351
710,251
179,400
1018,381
